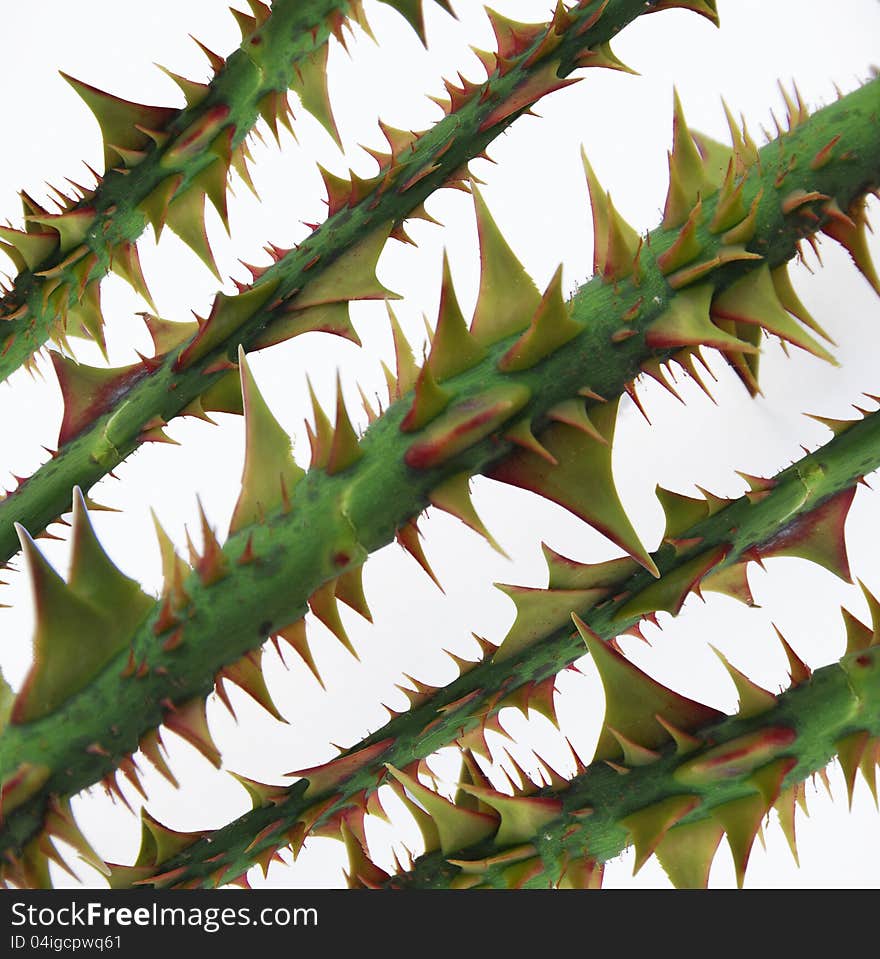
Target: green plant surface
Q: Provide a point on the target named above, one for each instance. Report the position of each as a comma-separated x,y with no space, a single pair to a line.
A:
161,165
719,781
803,513
165,654
109,415
301,746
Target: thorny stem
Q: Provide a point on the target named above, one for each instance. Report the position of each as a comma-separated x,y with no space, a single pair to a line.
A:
743,526
338,520
438,157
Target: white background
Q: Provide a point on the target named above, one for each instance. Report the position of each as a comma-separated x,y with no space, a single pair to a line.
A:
537,194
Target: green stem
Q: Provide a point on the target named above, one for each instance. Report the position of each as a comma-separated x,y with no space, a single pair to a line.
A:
337,520
164,391
293,30
743,527
839,701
